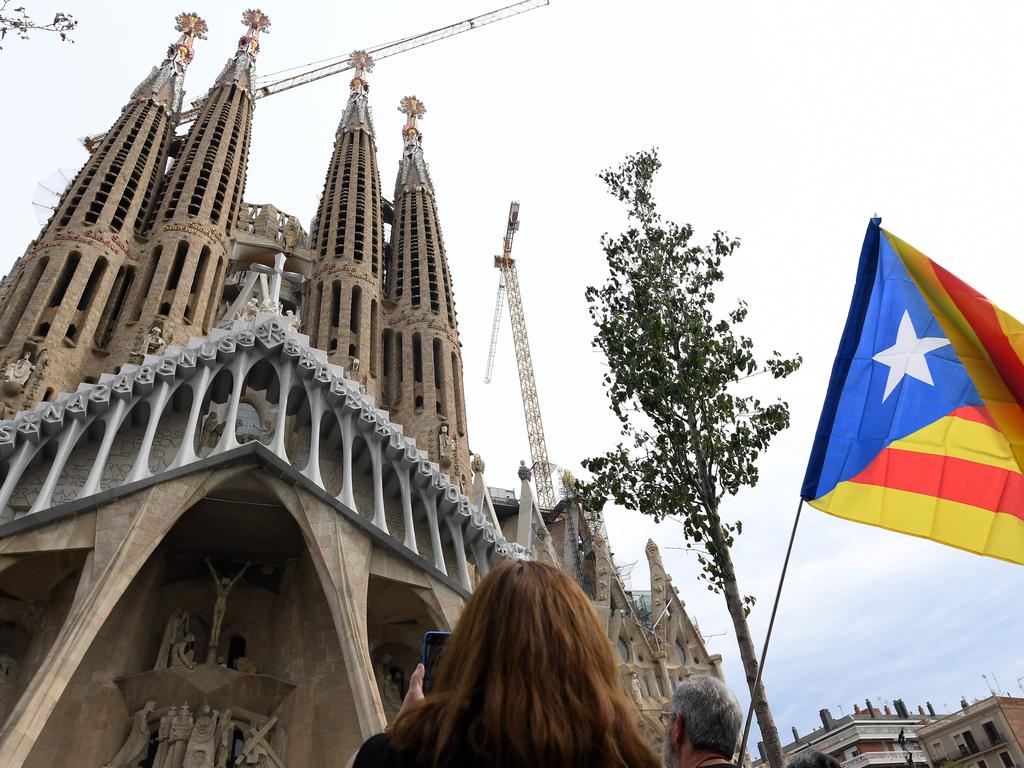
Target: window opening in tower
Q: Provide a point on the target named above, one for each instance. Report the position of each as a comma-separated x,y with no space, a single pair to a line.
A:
414,253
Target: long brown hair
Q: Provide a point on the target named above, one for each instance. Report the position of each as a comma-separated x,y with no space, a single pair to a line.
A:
527,680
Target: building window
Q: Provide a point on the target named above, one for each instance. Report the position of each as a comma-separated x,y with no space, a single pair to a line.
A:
417,360
623,649
972,745
991,733
1007,760
680,652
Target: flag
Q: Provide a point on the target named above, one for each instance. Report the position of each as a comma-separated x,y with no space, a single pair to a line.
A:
922,430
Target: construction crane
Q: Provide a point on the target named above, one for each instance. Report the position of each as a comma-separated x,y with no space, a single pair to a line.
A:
319,69
508,285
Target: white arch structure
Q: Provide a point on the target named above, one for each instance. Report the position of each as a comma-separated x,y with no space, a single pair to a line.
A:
97,413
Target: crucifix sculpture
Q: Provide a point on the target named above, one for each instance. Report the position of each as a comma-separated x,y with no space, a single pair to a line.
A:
223,586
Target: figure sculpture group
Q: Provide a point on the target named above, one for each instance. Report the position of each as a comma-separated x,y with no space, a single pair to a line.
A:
209,738
204,741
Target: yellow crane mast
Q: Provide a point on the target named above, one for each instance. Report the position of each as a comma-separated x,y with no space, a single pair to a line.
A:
508,284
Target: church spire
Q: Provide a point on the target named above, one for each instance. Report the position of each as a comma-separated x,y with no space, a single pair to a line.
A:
357,112
67,294
426,396
165,84
413,172
183,271
344,306
241,68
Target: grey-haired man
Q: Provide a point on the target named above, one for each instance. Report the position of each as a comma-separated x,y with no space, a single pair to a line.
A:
705,724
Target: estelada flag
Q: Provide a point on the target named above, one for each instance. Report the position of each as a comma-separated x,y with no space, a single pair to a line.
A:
922,431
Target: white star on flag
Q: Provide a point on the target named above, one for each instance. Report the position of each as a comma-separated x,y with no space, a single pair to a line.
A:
906,356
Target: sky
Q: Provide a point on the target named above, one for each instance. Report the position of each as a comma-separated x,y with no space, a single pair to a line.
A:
786,124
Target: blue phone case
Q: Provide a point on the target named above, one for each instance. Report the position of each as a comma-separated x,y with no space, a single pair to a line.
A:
426,638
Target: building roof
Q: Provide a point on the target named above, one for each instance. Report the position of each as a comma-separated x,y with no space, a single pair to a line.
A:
824,737
955,719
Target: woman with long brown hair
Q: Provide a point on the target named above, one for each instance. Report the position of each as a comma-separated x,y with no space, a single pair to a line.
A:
527,680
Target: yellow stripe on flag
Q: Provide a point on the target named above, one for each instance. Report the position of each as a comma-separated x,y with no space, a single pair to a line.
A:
947,522
961,439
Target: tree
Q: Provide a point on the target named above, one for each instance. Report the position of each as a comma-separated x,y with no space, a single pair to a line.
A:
674,380
18,22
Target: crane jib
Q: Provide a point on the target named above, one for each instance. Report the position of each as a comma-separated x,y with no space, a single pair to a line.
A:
379,52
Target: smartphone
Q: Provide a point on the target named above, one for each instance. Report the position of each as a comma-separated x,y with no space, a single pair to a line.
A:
433,647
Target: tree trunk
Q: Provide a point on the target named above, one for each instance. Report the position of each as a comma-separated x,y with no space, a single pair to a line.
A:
765,721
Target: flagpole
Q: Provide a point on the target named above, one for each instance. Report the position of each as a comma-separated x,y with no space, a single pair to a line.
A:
767,639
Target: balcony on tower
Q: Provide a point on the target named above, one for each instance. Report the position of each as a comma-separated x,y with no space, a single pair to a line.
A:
269,264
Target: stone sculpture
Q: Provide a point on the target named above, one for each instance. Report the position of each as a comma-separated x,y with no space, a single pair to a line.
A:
225,739
445,446
250,309
181,732
199,753
211,430
18,371
223,586
257,751
391,679
477,464
153,342
353,367
174,631
137,743
162,735
292,319
183,653
638,694
290,233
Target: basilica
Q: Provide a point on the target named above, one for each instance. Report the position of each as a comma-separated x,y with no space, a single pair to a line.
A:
236,484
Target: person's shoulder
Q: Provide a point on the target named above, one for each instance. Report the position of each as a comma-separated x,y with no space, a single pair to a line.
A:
378,752
375,751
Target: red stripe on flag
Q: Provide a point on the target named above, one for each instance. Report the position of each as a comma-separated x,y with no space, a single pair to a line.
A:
975,413
980,313
945,477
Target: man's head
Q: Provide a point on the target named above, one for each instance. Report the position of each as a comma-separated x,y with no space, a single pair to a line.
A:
812,759
705,721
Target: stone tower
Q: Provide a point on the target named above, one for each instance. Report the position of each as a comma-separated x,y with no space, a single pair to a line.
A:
67,293
344,299
183,267
422,356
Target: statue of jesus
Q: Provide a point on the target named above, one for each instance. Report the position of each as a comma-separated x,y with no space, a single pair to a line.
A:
223,585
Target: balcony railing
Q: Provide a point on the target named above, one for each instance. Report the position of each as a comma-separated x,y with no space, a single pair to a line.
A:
856,732
981,745
885,758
